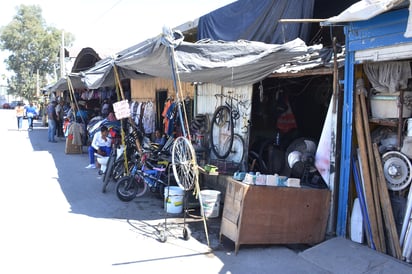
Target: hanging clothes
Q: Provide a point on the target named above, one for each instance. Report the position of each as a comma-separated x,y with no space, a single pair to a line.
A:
136,112
133,109
140,123
171,116
168,103
75,133
286,120
149,118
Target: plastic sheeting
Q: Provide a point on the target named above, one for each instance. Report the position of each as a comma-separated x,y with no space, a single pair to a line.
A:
257,21
102,74
365,9
228,64
222,63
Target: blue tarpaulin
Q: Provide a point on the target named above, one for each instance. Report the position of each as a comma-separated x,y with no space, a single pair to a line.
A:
257,21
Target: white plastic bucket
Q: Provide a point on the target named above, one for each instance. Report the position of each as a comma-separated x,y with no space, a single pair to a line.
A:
409,127
174,199
210,201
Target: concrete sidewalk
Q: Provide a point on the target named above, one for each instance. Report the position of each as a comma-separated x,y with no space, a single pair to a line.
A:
339,255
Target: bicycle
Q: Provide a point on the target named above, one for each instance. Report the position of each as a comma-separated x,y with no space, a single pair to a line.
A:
144,175
115,167
222,125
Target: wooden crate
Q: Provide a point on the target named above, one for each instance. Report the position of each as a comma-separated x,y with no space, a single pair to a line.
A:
274,215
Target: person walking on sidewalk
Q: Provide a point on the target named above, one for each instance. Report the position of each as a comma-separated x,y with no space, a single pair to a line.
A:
51,118
101,144
31,113
19,114
60,117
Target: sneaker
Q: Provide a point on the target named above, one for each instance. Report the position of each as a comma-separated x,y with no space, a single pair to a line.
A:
91,166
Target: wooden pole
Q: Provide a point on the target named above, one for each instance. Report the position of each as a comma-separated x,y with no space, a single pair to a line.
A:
366,173
301,20
394,245
372,169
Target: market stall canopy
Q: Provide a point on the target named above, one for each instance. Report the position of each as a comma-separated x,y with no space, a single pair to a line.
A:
219,62
63,84
100,75
103,75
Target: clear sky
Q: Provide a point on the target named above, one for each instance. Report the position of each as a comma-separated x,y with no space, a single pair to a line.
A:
112,24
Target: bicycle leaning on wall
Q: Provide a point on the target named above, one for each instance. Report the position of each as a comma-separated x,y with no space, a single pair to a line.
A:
223,140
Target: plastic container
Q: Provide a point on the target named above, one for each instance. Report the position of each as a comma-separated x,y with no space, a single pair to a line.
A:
210,201
174,199
385,105
260,179
409,127
271,180
281,180
356,223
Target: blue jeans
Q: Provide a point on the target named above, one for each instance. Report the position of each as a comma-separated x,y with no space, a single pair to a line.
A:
51,130
19,122
91,151
30,121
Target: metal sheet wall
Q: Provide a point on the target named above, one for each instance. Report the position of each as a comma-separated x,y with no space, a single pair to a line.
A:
207,102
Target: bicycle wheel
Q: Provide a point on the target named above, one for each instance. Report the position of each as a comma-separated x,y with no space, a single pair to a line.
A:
130,187
237,151
221,132
118,170
184,163
108,173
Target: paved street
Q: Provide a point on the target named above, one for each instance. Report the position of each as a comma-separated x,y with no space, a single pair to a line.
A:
55,219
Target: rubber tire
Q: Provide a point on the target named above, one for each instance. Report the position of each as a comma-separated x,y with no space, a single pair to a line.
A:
127,188
241,145
118,170
185,234
108,173
222,111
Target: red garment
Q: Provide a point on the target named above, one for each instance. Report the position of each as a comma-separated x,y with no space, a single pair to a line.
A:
286,121
168,103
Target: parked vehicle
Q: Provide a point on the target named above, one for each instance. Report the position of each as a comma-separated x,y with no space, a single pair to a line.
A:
6,106
13,104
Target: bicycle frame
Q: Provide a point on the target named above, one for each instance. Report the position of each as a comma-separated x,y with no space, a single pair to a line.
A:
151,174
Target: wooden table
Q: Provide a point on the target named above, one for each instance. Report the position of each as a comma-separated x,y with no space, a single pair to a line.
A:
274,215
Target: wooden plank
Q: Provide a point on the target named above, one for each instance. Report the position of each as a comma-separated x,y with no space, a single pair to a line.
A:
366,172
372,166
307,72
390,223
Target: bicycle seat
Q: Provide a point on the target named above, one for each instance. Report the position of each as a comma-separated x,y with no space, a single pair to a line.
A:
161,169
